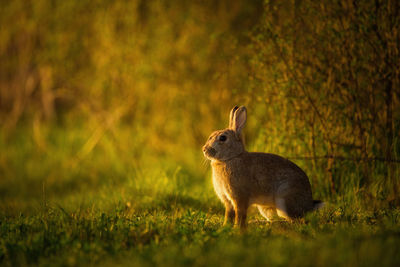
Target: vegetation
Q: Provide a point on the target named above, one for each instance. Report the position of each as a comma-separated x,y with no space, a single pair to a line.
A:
104,107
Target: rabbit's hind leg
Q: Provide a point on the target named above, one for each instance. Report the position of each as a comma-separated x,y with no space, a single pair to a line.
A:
267,212
293,207
281,209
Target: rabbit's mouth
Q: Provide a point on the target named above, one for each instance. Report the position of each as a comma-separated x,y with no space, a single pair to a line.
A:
209,152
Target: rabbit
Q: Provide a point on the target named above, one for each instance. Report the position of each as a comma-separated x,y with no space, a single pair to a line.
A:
240,178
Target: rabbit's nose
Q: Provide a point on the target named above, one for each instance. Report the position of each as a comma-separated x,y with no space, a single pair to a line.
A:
209,151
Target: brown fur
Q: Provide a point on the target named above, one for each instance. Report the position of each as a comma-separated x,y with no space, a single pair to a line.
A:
241,178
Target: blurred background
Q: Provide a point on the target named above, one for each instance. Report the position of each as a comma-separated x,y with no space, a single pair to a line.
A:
105,100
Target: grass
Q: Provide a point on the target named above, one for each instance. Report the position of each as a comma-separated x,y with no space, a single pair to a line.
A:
112,208
185,235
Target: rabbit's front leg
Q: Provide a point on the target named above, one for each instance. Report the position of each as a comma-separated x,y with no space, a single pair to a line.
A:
241,212
229,213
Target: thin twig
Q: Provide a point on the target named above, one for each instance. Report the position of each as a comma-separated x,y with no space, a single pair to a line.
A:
382,159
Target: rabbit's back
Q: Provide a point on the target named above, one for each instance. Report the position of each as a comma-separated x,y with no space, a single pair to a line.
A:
273,168
267,176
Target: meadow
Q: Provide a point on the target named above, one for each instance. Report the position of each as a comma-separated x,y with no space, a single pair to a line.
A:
105,105
108,209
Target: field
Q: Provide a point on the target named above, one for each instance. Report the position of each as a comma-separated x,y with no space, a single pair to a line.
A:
105,106
106,210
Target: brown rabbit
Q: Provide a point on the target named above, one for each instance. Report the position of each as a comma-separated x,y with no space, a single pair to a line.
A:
242,178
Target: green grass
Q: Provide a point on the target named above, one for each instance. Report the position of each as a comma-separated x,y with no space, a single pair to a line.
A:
184,231
114,208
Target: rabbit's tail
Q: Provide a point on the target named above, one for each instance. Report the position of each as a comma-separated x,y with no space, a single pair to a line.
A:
318,204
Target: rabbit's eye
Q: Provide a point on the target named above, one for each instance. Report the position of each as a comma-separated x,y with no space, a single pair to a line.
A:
222,138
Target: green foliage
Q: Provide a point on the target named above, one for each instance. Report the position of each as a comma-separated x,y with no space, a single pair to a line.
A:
331,69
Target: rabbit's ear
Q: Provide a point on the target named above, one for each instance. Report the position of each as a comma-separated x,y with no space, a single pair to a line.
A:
231,115
239,119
